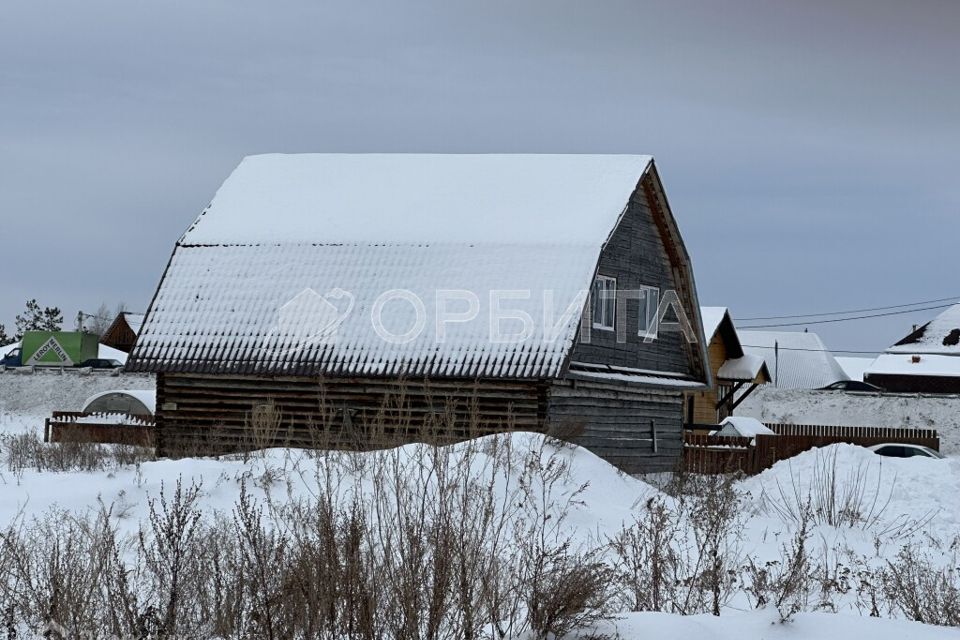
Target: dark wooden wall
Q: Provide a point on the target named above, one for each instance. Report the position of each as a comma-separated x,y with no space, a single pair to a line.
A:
914,384
201,414
640,430
119,336
213,414
636,256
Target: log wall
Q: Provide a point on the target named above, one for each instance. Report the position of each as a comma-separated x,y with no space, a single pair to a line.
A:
214,414
638,429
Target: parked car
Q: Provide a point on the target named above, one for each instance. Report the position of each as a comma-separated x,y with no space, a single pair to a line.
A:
850,385
901,450
101,363
11,358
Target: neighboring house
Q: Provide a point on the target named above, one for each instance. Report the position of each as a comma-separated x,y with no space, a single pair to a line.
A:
795,359
123,331
299,293
926,361
735,373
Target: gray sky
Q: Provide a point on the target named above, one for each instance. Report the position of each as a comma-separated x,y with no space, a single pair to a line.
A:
810,152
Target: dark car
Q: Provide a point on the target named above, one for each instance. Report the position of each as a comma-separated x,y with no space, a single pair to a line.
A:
850,385
101,363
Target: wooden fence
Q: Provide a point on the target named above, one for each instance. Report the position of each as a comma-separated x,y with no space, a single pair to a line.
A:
722,454
100,428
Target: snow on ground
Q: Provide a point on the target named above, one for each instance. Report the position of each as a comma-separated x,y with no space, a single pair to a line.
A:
898,491
807,406
17,423
897,494
912,488
41,392
608,500
763,625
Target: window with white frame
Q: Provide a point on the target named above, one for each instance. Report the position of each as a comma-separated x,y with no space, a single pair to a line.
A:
604,302
649,302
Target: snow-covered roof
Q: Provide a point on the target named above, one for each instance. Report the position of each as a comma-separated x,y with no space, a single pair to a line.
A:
739,365
134,320
854,367
903,364
712,317
747,367
417,198
136,402
743,426
940,336
802,361
295,247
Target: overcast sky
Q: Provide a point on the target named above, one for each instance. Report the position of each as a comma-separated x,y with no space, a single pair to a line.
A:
810,153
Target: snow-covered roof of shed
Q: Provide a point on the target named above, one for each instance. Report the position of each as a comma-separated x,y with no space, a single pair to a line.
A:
746,368
743,426
941,335
413,198
801,362
147,398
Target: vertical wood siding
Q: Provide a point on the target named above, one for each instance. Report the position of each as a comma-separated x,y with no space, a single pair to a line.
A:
636,257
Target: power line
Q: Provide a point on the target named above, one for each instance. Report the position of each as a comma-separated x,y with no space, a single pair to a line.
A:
839,313
758,346
875,315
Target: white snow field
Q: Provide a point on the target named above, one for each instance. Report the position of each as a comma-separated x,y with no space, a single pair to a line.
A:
903,501
761,625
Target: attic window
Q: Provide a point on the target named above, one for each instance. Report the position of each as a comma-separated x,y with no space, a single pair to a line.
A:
649,303
604,298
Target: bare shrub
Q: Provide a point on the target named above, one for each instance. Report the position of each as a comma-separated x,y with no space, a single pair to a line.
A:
713,515
263,428
648,566
168,554
921,589
27,451
841,498
572,590
784,583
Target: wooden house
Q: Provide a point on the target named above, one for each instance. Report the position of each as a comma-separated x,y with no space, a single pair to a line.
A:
122,332
479,293
735,373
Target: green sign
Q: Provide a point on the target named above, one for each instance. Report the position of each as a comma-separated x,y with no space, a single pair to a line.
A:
58,348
